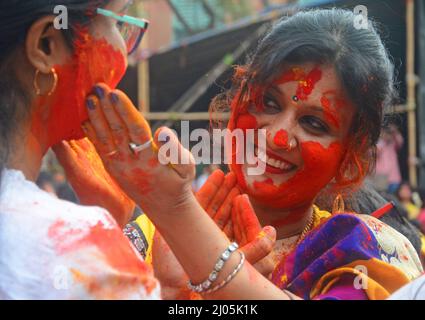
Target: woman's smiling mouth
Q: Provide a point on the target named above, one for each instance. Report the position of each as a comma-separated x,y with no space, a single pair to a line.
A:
274,163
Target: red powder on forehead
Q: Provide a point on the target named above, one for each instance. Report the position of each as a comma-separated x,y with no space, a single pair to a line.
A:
306,82
281,139
320,166
93,61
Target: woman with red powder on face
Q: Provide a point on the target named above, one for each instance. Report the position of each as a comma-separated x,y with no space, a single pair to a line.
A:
49,248
318,87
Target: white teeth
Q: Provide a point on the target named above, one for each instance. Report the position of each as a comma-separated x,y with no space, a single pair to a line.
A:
272,162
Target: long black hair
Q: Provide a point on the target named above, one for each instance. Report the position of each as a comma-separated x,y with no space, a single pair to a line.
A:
16,18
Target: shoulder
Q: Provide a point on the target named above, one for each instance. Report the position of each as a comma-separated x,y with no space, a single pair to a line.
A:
53,249
342,243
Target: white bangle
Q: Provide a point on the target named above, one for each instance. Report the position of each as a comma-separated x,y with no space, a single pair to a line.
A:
217,269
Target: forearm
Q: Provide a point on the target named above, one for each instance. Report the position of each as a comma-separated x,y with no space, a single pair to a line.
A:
197,243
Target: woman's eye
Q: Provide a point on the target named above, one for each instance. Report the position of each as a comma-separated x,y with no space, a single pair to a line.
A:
314,124
270,105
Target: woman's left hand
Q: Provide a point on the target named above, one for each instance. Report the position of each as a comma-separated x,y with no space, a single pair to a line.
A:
92,184
114,125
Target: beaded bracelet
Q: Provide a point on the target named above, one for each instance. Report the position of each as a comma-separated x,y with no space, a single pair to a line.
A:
217,269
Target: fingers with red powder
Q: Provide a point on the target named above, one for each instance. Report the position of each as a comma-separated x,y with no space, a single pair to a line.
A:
228,184
261,246
223,214
208,191
245,222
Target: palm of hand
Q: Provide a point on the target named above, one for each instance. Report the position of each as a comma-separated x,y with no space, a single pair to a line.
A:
92,183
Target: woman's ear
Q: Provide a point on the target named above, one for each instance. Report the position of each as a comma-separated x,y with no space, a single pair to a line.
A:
45,46
351,170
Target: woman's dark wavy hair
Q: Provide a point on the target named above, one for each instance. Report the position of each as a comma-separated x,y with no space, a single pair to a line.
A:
16,17
360,61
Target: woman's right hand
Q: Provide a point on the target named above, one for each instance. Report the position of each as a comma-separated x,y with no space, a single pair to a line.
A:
234,215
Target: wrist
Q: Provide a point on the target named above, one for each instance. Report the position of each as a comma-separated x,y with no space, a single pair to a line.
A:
163,214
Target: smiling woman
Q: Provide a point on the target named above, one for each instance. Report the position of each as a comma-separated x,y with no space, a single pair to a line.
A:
318,87
68,251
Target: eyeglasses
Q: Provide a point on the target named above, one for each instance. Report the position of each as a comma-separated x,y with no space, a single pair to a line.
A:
132,29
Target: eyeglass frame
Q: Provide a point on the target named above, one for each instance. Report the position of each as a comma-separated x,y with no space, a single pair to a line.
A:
138,22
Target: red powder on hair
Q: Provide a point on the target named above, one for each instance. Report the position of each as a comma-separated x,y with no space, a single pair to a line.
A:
281,139
93,61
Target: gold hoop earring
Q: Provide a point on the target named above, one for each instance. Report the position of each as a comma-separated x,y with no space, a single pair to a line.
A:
338,205
37,87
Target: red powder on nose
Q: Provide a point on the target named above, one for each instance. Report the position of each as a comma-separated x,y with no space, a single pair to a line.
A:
281,139
93,61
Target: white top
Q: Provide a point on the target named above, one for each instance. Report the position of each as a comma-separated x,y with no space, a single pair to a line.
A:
413,291
54,249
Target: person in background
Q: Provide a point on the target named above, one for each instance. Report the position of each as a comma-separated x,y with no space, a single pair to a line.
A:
406,197
387,165
45,182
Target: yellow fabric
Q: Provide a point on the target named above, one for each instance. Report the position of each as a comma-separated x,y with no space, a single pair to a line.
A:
149,231
412,210
381,279
423,249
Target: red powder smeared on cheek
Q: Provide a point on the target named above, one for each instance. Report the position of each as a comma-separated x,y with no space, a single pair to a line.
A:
320,166
246,121
93,61
281,139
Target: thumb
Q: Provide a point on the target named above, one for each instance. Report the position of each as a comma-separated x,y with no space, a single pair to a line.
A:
261,246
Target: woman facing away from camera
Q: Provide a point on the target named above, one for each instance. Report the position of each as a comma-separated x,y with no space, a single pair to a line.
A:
318,86
49,248
53,249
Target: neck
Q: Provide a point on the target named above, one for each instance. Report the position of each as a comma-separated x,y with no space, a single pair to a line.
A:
28,149
287,222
